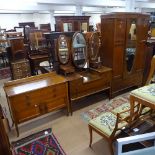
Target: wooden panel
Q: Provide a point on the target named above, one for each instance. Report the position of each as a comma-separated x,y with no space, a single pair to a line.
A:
114,33
27,114
107,41
55,104
118,62
142,30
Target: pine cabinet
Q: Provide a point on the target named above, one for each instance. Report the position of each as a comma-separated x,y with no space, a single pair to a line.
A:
123,47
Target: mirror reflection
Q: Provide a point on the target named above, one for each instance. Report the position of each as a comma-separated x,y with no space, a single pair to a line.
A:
67,27
84,27
131,45
63,50
94,46
79,50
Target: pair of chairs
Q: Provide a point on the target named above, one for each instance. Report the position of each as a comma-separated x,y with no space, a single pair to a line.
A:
110,124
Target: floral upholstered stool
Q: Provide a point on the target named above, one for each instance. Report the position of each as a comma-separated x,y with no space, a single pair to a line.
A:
144,96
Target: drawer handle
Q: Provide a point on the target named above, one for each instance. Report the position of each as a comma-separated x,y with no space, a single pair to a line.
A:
36,105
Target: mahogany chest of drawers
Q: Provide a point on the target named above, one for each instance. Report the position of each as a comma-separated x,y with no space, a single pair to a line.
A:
34,96
20,69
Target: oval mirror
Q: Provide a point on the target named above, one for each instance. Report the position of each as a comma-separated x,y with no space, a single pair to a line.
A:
79,50
63,49
94,46
131,45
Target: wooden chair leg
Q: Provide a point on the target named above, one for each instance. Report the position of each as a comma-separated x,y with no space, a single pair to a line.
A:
90,131
111,147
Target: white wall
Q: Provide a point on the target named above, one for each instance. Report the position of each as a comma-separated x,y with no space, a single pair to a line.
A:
8,21
95,18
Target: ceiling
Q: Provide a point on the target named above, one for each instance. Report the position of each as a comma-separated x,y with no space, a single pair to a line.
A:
70,6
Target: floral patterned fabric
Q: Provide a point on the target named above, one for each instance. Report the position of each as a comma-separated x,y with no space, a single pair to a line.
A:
146,92
106,123
106,106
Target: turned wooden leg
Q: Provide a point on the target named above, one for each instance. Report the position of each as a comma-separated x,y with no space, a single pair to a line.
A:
90,131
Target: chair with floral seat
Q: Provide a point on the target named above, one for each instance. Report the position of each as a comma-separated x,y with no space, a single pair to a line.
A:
108,125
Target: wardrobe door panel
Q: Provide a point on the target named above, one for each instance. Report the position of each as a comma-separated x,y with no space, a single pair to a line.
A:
120,25
142,30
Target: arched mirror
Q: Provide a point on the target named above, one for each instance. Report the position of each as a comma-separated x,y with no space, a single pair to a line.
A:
63,49
79,50
131,45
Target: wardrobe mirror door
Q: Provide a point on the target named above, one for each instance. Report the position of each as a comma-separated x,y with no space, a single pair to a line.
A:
63,49
79,50
131,45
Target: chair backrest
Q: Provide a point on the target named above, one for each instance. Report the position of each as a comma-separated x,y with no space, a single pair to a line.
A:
17,48
32,40
152,71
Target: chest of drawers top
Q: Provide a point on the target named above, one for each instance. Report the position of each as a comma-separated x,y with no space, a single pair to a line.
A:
29,84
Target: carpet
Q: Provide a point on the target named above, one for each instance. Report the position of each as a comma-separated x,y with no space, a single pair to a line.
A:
105,106
41,143
5,73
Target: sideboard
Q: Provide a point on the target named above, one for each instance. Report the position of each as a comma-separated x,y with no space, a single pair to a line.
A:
34,96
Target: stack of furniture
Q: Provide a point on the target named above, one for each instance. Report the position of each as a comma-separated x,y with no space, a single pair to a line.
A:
17,54
39,50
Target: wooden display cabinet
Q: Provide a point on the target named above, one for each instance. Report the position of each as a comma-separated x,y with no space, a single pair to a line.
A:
123,47
31,97
72,23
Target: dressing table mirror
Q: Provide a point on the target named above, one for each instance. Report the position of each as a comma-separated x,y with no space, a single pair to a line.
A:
93,41
63,52
79,51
